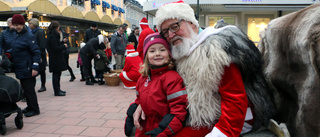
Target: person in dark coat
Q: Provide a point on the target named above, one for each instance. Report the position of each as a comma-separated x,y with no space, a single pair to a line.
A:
6,37
26,59
134,36
42,42
57,61
66,52
87,53
92,32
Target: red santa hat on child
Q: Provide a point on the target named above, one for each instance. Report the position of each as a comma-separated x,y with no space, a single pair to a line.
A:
175,10
143,21
154,39
130,49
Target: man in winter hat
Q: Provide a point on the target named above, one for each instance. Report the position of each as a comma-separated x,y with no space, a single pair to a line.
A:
146,30
221,68
26,58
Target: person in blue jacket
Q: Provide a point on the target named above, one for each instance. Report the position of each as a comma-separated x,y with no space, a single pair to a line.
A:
6,37
26,58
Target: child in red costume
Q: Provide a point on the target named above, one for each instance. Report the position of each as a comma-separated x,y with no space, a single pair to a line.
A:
130,73
160,92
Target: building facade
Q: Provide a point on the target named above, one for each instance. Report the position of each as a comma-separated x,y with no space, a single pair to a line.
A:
134,13
75,16
252,16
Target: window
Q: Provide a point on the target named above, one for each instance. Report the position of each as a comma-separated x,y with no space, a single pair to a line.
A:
78,2
212,20
255,26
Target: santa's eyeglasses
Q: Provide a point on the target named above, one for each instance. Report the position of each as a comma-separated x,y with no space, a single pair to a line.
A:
174,27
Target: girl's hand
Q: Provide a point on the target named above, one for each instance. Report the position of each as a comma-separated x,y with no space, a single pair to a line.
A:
137,116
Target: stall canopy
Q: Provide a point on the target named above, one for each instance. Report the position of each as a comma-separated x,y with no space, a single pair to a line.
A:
96,2
114,7
121,10
105,4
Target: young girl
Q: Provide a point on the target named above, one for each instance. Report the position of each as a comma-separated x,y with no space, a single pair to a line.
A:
160,92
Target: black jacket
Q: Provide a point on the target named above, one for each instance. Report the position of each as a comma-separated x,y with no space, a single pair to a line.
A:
25,53
133,38
6,40
42,43
92,46
90,33
57,61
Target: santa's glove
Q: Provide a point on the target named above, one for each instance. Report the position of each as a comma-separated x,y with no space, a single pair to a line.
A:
129,125
162,126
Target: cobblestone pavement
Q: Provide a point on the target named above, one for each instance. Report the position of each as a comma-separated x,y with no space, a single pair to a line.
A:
97,110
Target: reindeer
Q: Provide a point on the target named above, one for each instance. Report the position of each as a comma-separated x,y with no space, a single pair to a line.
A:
290,47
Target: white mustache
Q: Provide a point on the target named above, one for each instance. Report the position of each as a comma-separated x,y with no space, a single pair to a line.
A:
175,38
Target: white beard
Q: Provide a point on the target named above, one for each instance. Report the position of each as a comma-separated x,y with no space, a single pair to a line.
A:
202,74
181,50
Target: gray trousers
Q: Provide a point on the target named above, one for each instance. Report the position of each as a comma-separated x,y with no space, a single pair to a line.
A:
119,61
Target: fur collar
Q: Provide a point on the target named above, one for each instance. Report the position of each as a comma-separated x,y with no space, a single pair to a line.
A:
205,34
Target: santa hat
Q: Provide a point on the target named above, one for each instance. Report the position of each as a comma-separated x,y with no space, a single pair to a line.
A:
130,49
154,39
175,10
143,21
18,19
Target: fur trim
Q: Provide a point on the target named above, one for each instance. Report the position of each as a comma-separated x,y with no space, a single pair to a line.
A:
100,37
175,11
203,80
133,54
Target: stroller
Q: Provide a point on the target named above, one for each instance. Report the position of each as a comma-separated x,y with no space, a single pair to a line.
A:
10,93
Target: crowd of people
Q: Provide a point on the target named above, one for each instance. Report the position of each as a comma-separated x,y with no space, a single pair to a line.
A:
189,81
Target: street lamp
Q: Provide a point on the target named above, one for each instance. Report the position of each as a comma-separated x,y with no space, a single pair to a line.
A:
198,10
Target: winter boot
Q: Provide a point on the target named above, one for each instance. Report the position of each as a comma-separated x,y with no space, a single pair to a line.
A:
101,82
88,82
43,88
93,80
72,78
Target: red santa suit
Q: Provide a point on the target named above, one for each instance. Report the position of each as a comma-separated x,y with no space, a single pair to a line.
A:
223,75
146,30
130,73
161,94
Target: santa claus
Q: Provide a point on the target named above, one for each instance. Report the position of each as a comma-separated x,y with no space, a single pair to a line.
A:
222,70
130,73
146,30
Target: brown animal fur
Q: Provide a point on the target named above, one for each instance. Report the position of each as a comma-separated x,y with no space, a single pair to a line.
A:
290,47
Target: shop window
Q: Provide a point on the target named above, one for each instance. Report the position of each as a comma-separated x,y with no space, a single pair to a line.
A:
78,2
93,5
227,19
255,26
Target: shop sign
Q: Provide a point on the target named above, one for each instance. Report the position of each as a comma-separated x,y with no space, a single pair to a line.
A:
251,0
157,5
44,24
3,24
